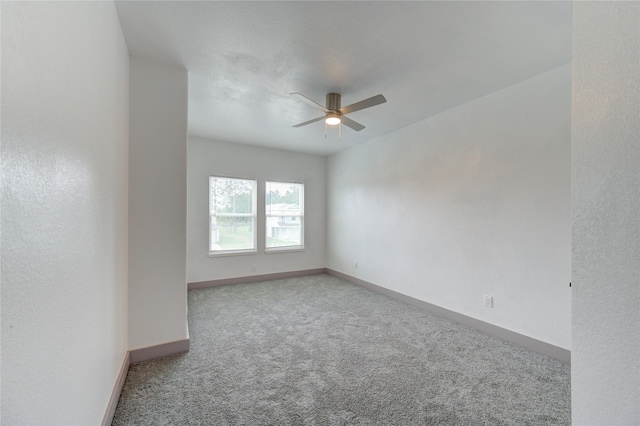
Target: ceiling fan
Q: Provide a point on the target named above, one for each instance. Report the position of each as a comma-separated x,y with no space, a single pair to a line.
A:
334,114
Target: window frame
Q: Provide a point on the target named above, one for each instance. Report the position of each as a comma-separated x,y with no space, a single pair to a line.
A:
254,215
301,215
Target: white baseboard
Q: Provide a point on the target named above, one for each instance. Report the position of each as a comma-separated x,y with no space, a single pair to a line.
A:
115,393
157,351
180,346
254,278
535,345
138,355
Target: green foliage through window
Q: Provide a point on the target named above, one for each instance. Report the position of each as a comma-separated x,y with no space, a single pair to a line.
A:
232,213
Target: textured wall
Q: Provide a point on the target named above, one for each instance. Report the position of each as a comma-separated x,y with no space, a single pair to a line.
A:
605,370
206,158
157,204
65,112
470,202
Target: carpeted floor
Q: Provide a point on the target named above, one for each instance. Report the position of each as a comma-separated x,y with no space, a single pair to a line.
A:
316,350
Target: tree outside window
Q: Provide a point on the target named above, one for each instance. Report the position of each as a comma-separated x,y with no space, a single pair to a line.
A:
232,215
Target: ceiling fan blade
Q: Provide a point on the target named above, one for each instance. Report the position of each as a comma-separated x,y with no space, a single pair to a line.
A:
350,123
309,122
309,101
372,101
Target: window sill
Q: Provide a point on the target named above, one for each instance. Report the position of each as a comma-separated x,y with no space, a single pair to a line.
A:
288,249
231,253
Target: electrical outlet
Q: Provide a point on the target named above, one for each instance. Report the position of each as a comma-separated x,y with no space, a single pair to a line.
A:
488,301
355,265
253,268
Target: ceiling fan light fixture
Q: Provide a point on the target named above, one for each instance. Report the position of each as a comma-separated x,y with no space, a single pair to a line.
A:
334,114
333,119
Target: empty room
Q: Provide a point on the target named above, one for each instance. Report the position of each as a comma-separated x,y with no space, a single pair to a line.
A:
322,212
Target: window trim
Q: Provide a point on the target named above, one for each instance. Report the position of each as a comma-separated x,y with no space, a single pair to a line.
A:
290,248
254,215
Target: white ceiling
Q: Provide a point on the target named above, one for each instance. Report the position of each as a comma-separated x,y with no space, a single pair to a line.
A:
244,58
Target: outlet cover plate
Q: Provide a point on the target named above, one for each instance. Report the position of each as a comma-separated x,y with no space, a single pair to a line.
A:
488,301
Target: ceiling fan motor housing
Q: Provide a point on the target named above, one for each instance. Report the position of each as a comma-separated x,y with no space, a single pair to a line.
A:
333,101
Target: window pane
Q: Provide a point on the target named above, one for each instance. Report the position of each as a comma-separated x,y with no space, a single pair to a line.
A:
284,214
232,211
232,233
284,198
282,234
230,195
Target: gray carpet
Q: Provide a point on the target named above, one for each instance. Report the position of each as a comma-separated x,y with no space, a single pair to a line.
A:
319,351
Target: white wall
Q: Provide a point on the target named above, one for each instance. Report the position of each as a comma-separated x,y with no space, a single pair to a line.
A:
473,201
65,112
206,158
157,204
605,368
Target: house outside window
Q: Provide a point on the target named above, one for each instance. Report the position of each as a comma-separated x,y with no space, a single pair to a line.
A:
284,216
232,215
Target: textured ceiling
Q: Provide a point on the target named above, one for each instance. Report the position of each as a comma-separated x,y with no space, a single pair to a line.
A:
244,58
